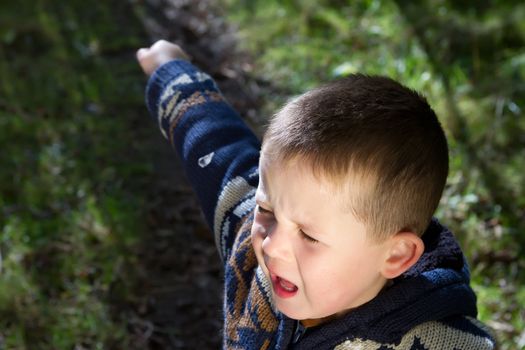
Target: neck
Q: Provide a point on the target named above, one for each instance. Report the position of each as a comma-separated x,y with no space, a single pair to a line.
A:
312,322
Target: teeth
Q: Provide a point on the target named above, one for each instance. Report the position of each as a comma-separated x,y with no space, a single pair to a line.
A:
288,286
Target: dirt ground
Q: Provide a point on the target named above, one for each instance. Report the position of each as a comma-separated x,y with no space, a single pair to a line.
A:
179,299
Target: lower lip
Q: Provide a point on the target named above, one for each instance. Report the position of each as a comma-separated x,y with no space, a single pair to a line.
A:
279,290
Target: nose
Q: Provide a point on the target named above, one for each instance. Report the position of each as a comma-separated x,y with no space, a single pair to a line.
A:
277,243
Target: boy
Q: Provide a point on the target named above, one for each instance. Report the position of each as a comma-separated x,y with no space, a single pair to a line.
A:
327,235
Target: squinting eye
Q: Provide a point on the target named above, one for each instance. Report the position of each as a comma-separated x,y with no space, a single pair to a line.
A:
263,211
308,238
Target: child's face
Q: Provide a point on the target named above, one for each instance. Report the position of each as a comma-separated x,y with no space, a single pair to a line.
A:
316,255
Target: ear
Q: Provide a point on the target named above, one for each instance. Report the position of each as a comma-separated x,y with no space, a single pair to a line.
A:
404,250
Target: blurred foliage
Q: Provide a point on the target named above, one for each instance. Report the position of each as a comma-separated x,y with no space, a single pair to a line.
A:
468,58
68,214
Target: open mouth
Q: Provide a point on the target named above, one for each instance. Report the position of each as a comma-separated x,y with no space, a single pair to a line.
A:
283,288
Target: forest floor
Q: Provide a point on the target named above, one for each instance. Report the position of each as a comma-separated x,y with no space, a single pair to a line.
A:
180,294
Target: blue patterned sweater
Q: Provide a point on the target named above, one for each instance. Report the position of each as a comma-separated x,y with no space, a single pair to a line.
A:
431,306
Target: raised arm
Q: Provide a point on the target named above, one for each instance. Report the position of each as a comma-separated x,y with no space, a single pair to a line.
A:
219,152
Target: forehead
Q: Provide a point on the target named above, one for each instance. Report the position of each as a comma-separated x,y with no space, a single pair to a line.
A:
277,174
295,195
347,190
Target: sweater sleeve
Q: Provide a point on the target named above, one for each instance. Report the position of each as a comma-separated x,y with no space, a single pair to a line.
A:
219,152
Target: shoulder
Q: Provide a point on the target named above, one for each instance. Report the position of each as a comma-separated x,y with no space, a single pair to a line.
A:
462,333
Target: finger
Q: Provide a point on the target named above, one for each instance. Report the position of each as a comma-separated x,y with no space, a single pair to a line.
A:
141,53
159,44
144,58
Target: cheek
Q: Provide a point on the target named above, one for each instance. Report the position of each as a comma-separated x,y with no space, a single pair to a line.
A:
328,275
258,229
258,233
315,270
344,280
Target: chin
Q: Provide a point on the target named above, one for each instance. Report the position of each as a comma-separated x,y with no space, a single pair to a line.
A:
296,314
291,312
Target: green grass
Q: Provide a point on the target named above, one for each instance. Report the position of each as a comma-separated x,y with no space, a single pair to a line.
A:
70,95
468,60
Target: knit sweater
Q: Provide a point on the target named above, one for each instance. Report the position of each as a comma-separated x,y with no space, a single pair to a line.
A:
431,306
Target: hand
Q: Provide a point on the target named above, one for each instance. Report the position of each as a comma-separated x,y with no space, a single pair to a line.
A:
159,53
